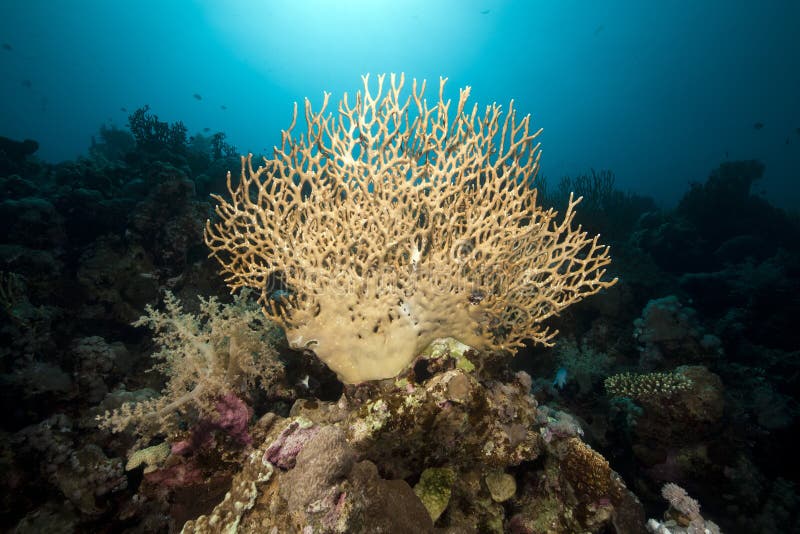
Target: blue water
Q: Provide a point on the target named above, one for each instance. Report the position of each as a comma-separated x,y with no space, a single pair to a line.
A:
658,92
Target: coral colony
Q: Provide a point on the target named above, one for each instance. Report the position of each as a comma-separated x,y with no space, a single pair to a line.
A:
397,222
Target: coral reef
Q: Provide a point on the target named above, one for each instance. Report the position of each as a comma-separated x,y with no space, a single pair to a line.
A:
14,155
668,333
681,411
83,474
698,335
339,466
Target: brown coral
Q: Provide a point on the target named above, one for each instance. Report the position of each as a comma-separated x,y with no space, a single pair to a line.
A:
587,471
394,223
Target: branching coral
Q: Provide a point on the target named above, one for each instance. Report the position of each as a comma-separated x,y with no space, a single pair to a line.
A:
224,350
152,134
645,387
396,222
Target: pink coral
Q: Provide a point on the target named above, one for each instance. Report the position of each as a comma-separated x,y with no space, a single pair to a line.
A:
185,473
284,450
233,416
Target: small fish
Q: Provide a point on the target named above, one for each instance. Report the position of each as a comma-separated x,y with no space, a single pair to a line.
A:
7,47
474,298
206,129
797,131
124,110
787,140
174,280
197,97
485,11
599,29
280,294
362,140
304,382
726,155
561,378
223,107
758,125
27,84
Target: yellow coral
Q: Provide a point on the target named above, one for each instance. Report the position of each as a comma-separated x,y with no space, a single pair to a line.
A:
395,222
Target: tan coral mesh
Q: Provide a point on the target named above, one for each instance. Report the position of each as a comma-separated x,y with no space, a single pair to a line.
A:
394,222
